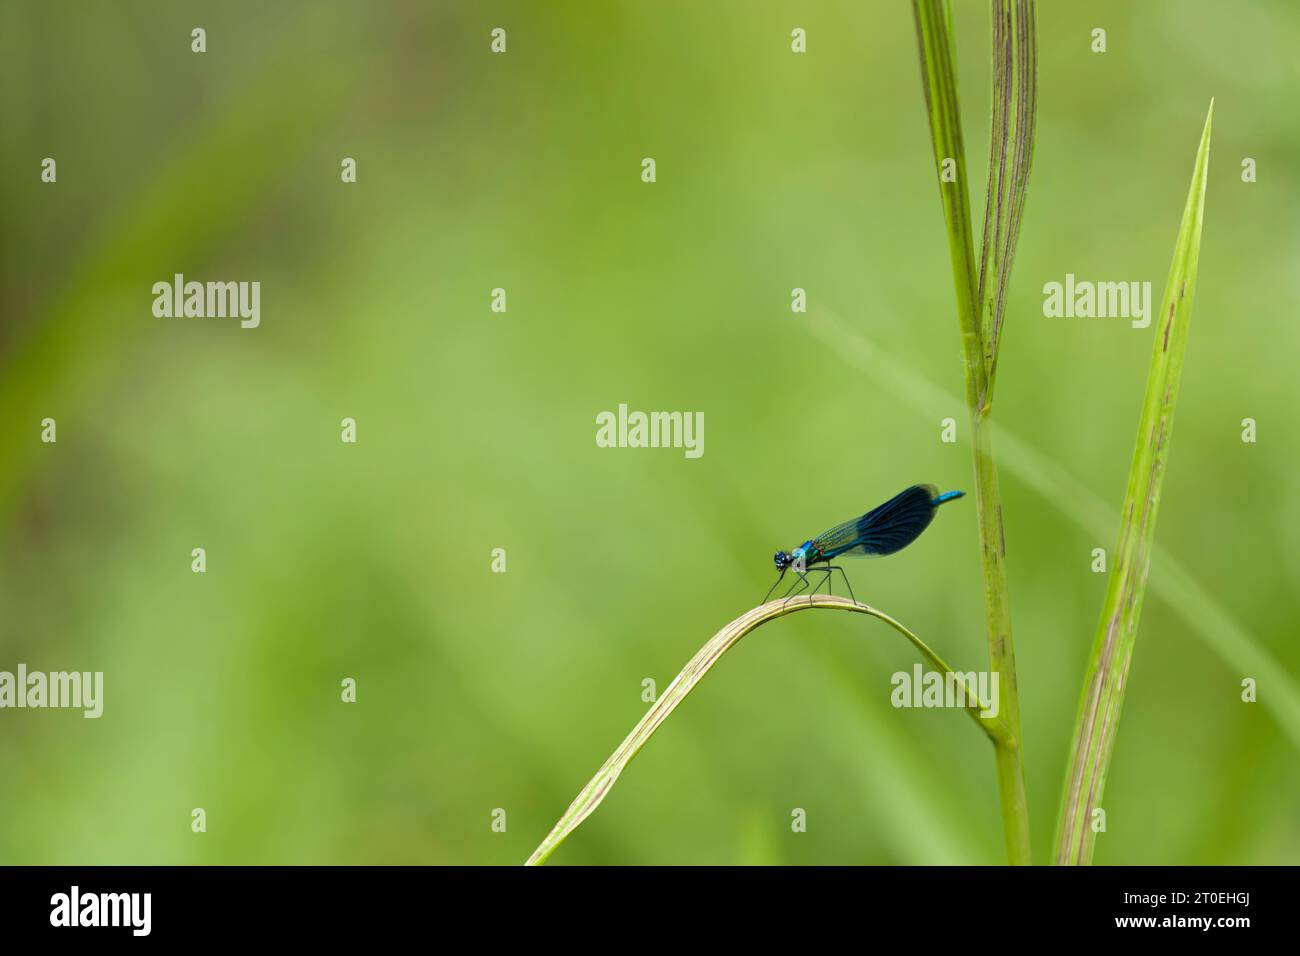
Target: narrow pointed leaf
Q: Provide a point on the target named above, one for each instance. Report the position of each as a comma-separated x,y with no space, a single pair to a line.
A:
1112,652
939,84
1011,153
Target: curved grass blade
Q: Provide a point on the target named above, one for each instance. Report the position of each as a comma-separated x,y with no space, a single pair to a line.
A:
596,789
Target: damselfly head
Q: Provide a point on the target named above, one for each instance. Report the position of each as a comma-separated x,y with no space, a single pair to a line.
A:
781,560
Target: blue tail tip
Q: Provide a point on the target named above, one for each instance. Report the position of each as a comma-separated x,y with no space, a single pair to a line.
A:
949,496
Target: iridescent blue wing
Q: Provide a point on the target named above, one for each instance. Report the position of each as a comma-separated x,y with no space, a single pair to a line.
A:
885,529
839,538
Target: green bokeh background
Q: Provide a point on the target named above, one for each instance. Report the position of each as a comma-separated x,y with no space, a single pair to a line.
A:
476,430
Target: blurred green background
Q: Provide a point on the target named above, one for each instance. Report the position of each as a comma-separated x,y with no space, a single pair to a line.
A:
476,430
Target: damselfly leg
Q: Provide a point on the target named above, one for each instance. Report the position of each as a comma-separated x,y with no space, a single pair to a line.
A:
796,589
829,569
778,580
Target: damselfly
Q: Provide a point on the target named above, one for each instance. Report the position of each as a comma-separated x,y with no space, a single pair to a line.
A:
882,530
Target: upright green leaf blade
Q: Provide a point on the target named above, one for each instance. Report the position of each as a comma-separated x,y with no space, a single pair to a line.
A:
1112,652
1011,153
939,84
939,79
